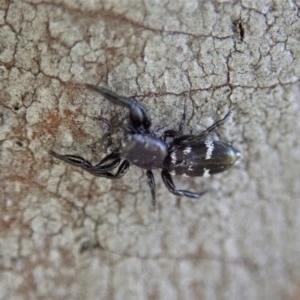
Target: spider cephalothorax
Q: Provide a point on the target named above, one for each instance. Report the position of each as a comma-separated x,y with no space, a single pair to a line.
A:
190,155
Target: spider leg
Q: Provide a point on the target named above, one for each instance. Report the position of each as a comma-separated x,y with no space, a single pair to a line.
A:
183,118
102,169
190,139
171,133
109,162
139,116
151,182
122,170
168,181
217,124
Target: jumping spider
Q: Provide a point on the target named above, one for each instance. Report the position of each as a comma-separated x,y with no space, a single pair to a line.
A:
189,155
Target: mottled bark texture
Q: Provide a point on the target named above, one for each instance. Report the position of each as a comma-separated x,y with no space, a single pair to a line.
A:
65,234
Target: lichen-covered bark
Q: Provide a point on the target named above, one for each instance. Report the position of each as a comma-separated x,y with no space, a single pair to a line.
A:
67,235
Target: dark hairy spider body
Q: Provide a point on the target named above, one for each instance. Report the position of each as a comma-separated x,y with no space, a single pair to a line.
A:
145,151
187,155
201,159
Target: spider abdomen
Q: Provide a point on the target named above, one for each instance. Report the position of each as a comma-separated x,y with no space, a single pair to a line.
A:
201,159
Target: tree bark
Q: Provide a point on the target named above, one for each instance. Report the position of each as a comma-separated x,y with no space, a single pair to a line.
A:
65,234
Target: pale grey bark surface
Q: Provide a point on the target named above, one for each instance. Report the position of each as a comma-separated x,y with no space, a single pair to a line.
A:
65,234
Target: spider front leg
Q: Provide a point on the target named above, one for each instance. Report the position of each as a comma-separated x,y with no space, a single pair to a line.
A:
139,116
102,169
168,181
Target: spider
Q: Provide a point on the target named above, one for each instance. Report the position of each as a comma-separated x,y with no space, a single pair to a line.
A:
187,155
